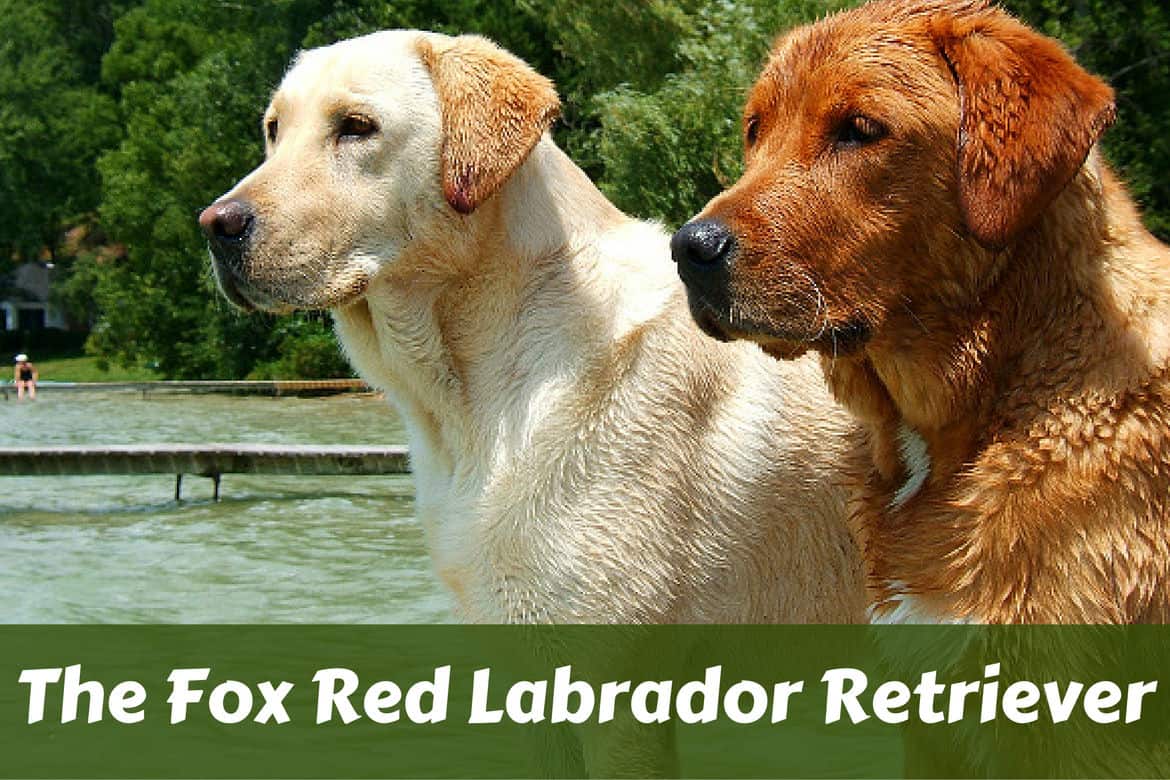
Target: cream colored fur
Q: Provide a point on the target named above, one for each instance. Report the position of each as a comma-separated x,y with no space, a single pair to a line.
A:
581,451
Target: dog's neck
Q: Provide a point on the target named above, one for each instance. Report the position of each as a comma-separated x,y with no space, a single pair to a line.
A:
932,387
474,336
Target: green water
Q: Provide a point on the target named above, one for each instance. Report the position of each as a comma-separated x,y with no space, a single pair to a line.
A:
119,549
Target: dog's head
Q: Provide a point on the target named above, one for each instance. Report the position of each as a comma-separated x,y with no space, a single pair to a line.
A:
373,144
890,152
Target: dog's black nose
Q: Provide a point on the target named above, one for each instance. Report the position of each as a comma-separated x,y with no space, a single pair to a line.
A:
227,223
704,242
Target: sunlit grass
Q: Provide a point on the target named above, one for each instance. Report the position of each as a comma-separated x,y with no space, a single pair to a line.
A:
86,369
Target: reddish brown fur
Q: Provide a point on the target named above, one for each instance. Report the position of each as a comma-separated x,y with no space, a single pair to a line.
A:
969,275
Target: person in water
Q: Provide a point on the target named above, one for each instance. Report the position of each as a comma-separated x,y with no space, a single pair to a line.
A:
26,378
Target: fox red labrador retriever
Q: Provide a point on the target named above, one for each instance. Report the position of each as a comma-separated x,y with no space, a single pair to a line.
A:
923,204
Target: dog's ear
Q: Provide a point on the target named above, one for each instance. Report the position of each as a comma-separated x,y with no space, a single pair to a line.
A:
1030,116
494,108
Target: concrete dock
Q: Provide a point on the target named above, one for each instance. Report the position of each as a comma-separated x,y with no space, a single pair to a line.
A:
204,460
276,387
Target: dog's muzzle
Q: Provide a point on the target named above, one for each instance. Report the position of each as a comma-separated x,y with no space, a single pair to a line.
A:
228,225
703,250
702,246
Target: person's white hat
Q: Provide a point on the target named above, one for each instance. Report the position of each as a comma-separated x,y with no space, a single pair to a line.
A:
22,358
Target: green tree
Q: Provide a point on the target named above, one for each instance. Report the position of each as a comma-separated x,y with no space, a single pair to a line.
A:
194,80
667,141
55,119
126,117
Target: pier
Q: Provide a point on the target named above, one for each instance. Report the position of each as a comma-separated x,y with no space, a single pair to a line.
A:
204,460
275,387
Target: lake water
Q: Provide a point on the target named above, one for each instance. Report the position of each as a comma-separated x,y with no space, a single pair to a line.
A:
119,549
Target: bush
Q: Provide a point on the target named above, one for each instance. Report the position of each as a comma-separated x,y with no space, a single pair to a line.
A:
666,147
307,349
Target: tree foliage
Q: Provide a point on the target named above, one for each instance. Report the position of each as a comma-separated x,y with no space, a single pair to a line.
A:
55,119
128,116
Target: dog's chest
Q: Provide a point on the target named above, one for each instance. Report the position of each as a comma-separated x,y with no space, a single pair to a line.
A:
891,527
487,551
461,546
900,607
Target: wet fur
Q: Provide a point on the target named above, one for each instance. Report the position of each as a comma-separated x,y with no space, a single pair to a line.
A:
1014,313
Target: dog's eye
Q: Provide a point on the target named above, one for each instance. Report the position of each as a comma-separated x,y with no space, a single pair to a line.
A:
859,131
356,126
272,128
751,130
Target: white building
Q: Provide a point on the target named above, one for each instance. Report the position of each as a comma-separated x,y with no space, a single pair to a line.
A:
26,305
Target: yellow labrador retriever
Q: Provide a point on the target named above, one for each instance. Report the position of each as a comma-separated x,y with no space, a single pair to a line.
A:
581,451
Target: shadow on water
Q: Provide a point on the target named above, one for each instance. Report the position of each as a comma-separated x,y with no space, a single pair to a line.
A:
113,496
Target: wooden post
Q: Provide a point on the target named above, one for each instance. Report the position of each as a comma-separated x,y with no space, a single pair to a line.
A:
178,487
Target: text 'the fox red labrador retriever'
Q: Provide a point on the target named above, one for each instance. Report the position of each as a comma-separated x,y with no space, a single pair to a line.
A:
923,205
